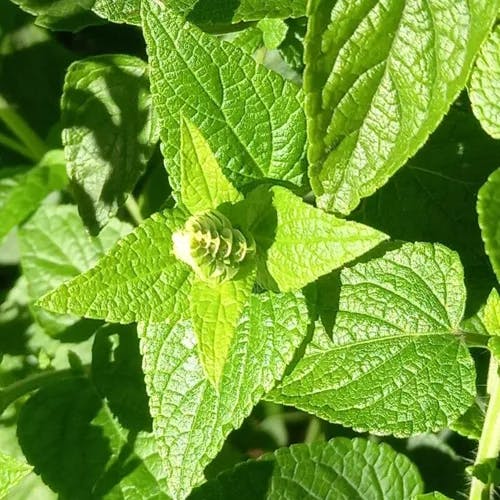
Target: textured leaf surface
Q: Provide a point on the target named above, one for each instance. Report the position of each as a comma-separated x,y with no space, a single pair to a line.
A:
109,133
216,311
309,243
488,208
394,364
11,472
379,77
203,185
470,424
139,279
56,247
23,189
119,11
333,470
484,89
190,418
251,117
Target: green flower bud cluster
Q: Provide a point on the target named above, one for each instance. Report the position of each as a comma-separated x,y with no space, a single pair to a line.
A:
212,247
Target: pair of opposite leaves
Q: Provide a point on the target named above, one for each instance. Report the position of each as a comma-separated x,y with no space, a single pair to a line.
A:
200,260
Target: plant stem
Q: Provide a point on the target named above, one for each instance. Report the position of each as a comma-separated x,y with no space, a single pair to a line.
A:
314,431
134,210
16,146
489,443
26,135
18,389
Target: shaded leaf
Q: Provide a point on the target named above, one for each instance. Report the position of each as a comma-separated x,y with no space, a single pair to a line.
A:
110,132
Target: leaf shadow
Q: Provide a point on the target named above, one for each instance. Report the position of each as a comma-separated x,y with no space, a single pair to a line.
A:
115,136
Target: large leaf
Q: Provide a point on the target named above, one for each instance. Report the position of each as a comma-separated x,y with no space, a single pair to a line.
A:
309,243
22,189
110,132
216,311
394,363
139,279
488,208
55,247
190,418
333,470
11,472
433,197
203,185
379,77
251,117
484,90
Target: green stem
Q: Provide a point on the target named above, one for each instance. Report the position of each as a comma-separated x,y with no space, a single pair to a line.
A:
134,210
489,443
314,431
26,135
16,146
18,389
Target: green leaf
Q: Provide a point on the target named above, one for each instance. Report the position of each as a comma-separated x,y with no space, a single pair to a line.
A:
470,424
488,209
66,15
336,469
190,418
55,247
273,31
491,314
436,193
139,279
484,91
119,11
22,190
215,312
110,132
309,243
251,117
394,363
379,78
12,471
494,347
203,185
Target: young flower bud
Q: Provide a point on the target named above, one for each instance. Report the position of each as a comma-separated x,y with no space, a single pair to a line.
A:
212,247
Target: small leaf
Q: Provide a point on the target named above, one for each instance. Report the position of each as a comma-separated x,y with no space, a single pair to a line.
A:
273,32
12,471
394,363
470,424
484,90
110,132
488,208
379,78
251,117
216,311
22,189
435,495
336,469
139,279
119,11
56,247
309,243
203,185
190,418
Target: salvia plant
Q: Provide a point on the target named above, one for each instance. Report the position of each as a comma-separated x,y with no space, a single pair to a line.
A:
250,249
